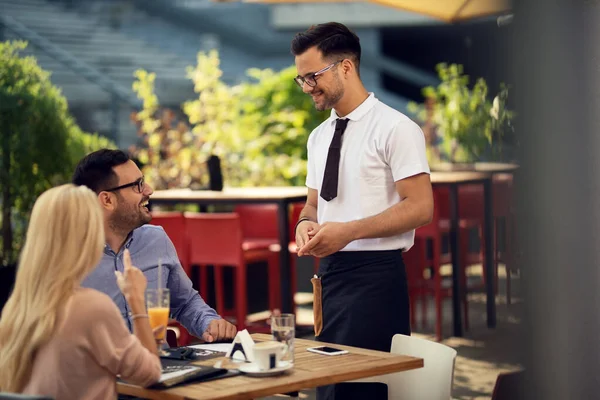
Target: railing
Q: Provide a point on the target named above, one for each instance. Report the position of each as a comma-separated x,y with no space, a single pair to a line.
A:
117,92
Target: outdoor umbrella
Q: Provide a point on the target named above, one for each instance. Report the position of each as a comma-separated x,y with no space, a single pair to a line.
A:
445,10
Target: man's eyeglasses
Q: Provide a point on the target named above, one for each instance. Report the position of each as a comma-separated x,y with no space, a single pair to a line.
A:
138,186
311,79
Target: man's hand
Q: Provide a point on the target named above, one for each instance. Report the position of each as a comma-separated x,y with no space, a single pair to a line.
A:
219,329
330,237
305,231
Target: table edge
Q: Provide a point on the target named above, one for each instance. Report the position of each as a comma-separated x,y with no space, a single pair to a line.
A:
307,383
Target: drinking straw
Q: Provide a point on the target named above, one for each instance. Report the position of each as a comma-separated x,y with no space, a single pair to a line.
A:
159,273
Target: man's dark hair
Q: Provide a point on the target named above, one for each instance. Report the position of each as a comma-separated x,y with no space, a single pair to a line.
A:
96,169
332,39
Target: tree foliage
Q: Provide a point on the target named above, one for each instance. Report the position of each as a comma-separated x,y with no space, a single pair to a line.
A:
468,124
258,128
39,141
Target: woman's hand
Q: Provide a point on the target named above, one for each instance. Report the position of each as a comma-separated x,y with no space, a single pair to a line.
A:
160,334
132,284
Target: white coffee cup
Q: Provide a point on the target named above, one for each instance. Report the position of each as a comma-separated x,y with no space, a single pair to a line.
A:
268,354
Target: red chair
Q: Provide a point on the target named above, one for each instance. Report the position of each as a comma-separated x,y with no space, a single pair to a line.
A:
471,217
173,222
180,338
171,337
260,232
260,225
435,232
216,239
471,208
470,205
295,216
415,271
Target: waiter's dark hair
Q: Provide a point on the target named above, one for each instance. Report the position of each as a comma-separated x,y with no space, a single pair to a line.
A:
333,39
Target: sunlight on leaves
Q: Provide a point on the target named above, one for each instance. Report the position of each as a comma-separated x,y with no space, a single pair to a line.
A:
460,123
258,128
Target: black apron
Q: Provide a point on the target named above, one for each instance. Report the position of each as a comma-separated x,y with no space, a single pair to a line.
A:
364,304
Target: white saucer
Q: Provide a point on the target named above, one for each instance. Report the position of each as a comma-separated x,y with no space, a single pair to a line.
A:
253,370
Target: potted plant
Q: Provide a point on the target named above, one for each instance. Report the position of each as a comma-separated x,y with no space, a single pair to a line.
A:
39,146
461,124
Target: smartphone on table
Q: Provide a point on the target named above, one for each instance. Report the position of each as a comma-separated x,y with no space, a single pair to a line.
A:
327,351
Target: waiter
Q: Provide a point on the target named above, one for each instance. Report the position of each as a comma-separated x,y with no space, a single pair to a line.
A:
368,189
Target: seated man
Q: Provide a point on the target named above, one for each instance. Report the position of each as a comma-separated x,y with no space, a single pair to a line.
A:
123,196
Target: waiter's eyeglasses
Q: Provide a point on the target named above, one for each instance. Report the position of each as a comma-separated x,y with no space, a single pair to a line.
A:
311,79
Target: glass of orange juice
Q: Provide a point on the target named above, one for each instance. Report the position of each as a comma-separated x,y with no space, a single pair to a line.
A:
158,306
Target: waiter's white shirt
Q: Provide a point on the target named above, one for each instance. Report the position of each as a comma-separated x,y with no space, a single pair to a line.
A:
380,146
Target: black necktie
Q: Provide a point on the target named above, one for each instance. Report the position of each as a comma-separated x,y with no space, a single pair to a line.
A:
332,167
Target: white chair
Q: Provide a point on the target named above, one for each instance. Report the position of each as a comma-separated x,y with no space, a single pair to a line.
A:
432,382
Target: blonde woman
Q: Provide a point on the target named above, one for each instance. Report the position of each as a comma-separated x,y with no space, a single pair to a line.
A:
59,339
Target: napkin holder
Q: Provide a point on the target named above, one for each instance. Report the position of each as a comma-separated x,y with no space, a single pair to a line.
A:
242,347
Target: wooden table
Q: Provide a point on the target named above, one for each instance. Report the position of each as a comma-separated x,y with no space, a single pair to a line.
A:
282,196
310,370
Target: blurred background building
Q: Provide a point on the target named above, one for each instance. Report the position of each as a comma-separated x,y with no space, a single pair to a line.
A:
93,47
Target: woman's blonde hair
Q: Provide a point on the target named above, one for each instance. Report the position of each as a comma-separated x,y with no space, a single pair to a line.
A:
64,242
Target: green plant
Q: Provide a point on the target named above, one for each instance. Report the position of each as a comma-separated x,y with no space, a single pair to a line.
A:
258,128
277,117
171,154
467,126
502,128
175,146
39,141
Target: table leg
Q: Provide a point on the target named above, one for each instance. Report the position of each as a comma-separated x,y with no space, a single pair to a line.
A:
284,258
454,250
489,253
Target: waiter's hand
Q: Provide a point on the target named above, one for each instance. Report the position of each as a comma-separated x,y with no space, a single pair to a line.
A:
331,237
219,329
304,231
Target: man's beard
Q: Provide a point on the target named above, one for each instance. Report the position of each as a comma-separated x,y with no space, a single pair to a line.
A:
125,219
331,99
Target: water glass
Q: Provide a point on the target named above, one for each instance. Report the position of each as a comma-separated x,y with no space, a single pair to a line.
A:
283,329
